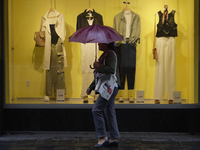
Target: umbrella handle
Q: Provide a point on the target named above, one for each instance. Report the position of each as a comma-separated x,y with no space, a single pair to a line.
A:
91,67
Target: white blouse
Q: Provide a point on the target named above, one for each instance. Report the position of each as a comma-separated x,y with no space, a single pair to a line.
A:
127,15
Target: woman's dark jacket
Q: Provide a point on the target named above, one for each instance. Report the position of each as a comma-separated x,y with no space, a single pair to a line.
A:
109,67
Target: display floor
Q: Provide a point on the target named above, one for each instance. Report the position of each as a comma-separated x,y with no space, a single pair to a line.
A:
77,103
80,101
86,141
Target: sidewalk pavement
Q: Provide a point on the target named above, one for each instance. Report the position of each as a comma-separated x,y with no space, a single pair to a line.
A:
87,140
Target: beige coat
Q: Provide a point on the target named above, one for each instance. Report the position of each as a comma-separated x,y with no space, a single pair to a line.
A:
54,17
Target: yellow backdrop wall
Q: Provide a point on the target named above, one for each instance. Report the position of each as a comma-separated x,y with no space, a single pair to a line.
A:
28,59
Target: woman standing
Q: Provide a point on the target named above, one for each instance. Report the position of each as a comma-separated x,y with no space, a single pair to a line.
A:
107,64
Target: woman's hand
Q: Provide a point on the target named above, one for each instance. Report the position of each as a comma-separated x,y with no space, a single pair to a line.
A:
96,64
88,91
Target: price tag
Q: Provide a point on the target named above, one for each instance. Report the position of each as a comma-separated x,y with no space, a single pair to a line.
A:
177,97
140,97
60,96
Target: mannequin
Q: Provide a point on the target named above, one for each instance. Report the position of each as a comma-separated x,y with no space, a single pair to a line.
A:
127,23
165,63
54,55
88,17
55,75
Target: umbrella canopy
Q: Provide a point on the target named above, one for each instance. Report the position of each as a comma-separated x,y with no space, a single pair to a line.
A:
95,34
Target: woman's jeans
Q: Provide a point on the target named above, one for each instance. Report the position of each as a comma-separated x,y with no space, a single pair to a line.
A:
104,107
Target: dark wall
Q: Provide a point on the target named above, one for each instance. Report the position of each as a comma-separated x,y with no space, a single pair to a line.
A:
1,65
199,57
138,120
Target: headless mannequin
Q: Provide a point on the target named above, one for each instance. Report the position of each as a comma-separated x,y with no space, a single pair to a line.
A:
161,75
87,57
54,40
127,15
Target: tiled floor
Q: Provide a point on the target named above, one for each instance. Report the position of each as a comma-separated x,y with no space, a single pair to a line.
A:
86,141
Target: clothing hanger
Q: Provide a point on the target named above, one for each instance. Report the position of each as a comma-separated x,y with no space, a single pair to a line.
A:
170,9
167,7
126,8
50,10
89,10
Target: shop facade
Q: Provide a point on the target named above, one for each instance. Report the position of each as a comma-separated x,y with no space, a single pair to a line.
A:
23,76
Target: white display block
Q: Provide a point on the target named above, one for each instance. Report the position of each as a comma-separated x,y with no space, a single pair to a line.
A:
177,97
60,96
140,97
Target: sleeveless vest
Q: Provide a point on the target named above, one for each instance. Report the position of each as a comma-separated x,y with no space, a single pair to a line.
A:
169,28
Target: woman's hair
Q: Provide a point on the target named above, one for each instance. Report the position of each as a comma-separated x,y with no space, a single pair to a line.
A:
111,46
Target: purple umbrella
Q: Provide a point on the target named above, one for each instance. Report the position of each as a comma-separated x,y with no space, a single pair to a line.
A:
95,34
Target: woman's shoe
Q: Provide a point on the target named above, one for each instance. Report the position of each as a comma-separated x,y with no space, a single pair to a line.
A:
114,144
104,144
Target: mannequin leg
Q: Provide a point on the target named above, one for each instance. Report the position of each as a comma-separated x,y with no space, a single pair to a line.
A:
87,59
59,68
159,86
131,94
170,69
48,85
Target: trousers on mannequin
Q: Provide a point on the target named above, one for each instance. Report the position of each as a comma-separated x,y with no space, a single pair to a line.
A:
127,53
87,59
165,69
55,76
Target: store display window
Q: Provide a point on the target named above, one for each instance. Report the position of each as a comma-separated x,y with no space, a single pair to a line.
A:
44,69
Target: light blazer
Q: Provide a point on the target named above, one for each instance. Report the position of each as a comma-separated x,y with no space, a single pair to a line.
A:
119,24
57,19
